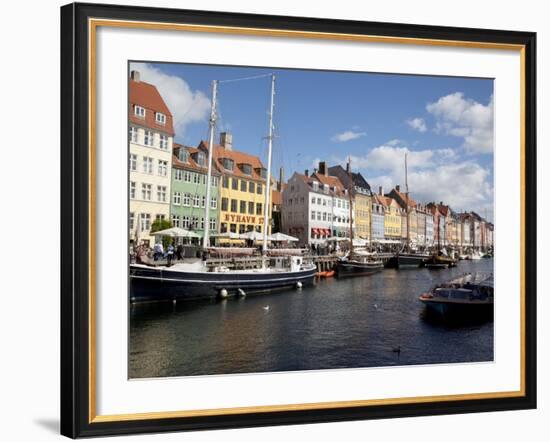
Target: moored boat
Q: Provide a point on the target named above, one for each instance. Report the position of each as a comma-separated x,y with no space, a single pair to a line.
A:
462,297
358,267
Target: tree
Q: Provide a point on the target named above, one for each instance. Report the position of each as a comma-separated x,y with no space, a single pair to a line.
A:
161,224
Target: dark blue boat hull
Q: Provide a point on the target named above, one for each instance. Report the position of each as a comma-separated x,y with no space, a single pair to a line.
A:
160,284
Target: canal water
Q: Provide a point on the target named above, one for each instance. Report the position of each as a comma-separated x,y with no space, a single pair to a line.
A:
349,323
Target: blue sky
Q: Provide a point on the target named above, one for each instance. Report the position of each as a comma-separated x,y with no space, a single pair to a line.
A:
444,124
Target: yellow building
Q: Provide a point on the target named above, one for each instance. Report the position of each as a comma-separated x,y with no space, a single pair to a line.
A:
241,190
392,218
363,208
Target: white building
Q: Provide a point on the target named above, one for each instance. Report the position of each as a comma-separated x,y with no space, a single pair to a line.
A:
150,158
315,208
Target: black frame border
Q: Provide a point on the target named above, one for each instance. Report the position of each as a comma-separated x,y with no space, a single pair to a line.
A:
75,220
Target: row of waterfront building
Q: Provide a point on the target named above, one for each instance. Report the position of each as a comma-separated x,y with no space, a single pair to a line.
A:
167,181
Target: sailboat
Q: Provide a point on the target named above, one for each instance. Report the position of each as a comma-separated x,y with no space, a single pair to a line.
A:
408,258
356,264
203,280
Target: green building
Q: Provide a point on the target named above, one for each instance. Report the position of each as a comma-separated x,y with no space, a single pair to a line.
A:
188,190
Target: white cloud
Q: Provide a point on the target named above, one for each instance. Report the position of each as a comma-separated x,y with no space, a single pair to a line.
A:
465,118
395,142
347,136
417,124
433,175
187,106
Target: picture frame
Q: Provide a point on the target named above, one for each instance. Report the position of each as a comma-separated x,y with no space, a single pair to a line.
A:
79,178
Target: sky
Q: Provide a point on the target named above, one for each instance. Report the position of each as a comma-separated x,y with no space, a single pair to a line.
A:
443,124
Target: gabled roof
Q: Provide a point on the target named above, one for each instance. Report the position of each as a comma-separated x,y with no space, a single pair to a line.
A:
147,96
191,164
324,180
341,173
403,196
238,158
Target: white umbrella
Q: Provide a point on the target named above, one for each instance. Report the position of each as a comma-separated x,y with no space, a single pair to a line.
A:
176,232
336,238
282,237
253,235
230,235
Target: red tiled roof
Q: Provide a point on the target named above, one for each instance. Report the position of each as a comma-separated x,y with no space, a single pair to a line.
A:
276,197
147,96
238,158
192,164
332,181
403,196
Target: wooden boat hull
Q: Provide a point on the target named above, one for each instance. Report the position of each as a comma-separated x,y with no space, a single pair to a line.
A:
351,268
161,284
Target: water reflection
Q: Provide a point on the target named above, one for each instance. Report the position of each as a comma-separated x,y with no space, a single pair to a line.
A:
356,322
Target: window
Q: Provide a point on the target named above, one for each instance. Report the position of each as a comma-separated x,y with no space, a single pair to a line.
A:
324,202
185,222
196,201
163,142
247,169
202,223
313,199
313,215
243,186
176,220
315,185
161,193
223,227
196,178
148,139
132,190
251,208
178,174
319,201
204,179
227,163
133,134
242,208
187,176
213,203
144,221
139,111
324,216
242,228
235,184
214,181
251,186
163,168
259,188
183,155
160,118
225,182
225,203
201,159
131,221
212,222
146,191
176,198
259,208
318,216
234,206
195,222
233,228
147,165
203,202
187,199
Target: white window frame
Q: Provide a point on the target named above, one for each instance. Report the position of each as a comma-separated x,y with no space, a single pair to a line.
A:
133,134
133,190
162,167
160,118
161,194
163,141
146,190
176,198
148,138
139,111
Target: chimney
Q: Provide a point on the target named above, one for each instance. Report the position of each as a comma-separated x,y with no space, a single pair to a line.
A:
347,167
306,172
134,75
314,170
323,168
397,187
226,140
380,190
281,179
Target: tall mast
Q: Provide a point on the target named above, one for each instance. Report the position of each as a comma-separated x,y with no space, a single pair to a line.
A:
268,175
206,230
407,203
350,187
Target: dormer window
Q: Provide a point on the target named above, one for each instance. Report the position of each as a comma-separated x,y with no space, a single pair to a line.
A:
139,111
334,189
326,188
227,163
201,159
160,118
183,155
262,171
247,169
315,185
